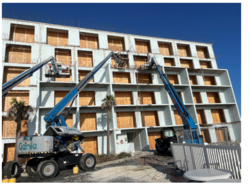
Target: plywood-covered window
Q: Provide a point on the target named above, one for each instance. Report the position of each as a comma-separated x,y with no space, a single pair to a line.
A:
169,62
213,97
151,139
149,118
180,95
209,80
63,56
165,48
123,98
9,127
9,154
142,46
144,78
82,74
19,95
202,52
88,41
60,95
121,77
90,145
57,38
187,63
86,98
218,115
85,59
177,117
69,120
12,72
115,65
125,119
22,33
206,136
184,50
197,97
173,79
116,44
193,80
146,97
201,117
139,60
87,121
220,134
18,54
205,64
64,79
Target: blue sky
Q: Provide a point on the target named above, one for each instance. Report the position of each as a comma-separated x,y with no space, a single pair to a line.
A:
219,24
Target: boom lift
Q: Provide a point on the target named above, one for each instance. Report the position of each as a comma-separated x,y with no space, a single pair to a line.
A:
55,72
54,149
190,129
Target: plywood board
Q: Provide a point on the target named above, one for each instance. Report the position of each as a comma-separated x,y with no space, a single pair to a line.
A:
87,121
218,115
86,98
219,135
82,74
151,139
177,117
201,116
142,46
121,77
183,50
125,119
9,127
60,95
57,39
87,41
85,59
205,65
197,97
187,63
173,79
206,136
193,80
209,80
149,118
164,48
63,56
169,62
12,72
123,98
19,95
146,98
213,97
144,78
116,44
202,52
22,35
115,65
65,79
69,120
138,61
18,54
90,145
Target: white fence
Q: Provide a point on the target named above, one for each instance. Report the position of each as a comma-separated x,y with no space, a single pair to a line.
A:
193,156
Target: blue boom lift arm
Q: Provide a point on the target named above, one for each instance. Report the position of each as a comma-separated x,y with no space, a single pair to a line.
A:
54,117
56,72
180,107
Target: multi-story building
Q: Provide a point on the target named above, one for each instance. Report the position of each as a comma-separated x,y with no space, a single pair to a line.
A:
143,105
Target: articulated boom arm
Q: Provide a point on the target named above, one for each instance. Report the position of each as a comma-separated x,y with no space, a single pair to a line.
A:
54,116
28,73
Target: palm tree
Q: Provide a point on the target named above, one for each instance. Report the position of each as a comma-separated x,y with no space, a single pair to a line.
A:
108,103
19,111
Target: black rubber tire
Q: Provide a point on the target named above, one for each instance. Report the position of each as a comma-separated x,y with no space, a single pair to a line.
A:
159,149
31,167
11,168
87,162
41,167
